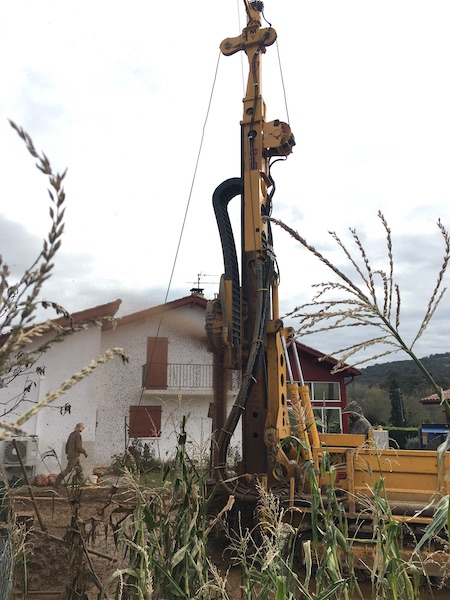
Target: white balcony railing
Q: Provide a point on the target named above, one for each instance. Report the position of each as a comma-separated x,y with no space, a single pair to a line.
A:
182,376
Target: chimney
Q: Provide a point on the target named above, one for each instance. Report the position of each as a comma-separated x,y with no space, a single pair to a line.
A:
197,292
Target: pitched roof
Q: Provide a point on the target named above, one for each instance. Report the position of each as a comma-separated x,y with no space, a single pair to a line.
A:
97,312
330,360
192,300
434,398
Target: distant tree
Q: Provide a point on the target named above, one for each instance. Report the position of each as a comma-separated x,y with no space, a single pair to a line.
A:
373,400
417,413
397,406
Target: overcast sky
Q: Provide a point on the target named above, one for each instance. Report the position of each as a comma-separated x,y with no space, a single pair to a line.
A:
119,92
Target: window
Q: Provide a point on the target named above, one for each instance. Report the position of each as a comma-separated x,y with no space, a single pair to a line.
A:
324,392
145,421
155,377
328,420
323,395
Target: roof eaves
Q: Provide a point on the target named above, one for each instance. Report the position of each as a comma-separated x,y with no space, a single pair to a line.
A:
348,370
96,312
99,312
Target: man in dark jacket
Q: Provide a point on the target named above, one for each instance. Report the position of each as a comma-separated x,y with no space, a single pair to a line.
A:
74,447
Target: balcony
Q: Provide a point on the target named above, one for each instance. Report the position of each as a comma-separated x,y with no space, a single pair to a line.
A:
181,376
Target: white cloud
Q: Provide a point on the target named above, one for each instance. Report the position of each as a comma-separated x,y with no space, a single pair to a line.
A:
119,95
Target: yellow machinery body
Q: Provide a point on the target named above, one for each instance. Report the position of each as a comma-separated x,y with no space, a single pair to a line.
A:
412,479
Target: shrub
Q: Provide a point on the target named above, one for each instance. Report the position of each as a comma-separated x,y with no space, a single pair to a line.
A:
401,435
139,458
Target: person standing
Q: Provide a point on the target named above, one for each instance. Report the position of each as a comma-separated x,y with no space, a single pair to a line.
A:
357,420
74,447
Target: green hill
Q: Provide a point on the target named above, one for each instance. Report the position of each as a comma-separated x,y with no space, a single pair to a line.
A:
408,375
372,390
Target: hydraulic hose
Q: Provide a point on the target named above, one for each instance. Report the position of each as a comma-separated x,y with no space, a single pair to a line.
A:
264,275
225,192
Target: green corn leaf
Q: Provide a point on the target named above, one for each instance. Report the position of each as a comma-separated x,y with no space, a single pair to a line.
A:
330,591
179,555
440,520
443,448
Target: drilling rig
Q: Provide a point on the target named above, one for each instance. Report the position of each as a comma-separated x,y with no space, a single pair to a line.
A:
273,407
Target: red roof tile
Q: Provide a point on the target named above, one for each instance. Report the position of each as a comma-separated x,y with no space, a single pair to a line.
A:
434,398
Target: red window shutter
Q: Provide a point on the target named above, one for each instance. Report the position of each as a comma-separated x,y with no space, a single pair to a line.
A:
156,368
145,421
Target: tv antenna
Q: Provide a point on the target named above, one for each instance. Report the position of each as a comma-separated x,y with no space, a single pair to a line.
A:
198,283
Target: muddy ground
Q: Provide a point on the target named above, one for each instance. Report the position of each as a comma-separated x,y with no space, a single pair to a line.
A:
48,555
99,510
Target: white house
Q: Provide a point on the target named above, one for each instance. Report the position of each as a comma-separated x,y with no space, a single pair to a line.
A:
169,375
50,427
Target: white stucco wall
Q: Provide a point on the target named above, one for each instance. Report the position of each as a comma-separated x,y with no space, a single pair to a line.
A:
119,387
53,424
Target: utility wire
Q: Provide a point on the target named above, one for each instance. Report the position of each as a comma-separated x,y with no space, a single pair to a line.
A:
281,70
193,178
149,359
282,82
